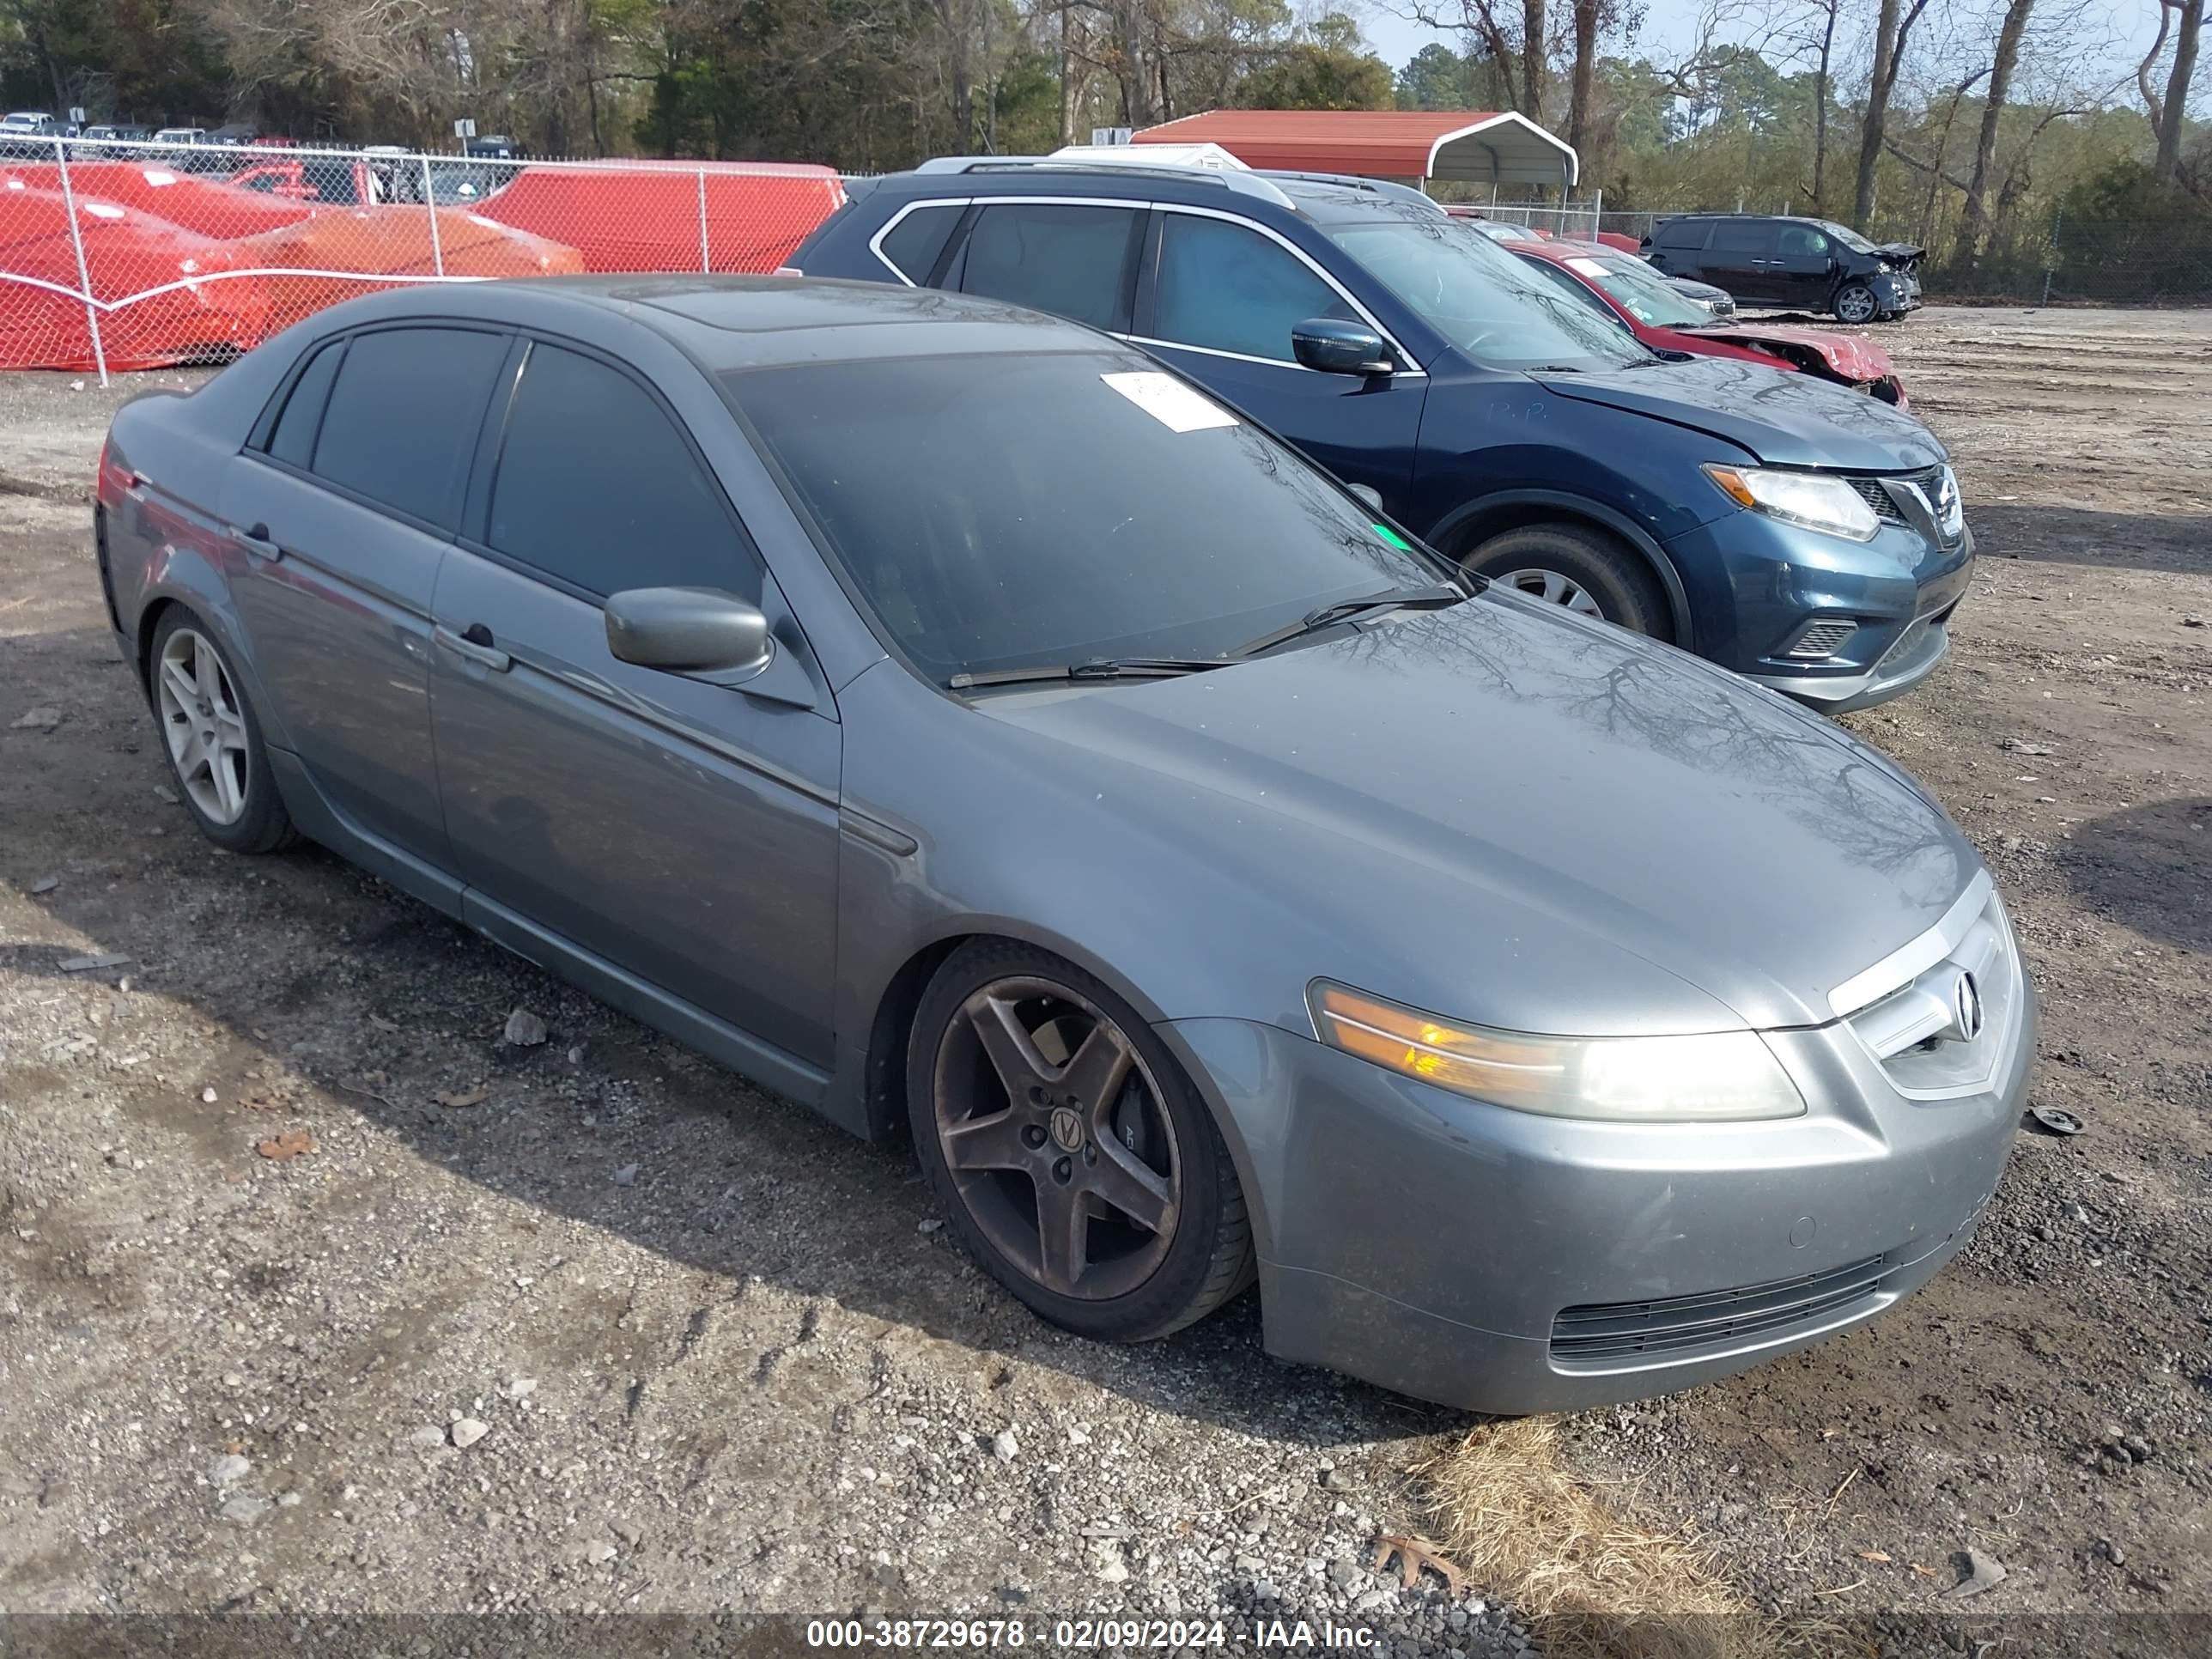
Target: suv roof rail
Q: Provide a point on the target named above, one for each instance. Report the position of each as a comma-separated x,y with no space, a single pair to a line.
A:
1396,192
1244,184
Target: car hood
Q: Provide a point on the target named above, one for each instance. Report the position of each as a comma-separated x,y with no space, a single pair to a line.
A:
1503,813
1784,420
1851,357
1901,254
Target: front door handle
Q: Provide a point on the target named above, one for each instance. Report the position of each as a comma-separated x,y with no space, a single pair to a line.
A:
255,540
474,643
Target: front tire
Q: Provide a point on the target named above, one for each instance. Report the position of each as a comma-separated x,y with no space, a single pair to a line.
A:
1075,1160
212,739
1579,568
1855,303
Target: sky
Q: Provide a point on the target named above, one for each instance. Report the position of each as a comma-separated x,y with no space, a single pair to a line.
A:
1670,30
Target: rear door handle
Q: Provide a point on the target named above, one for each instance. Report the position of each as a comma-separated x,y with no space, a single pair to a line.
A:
478,650
255,540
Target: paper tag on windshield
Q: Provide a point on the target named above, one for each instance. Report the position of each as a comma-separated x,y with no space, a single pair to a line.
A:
1587,267
1169,401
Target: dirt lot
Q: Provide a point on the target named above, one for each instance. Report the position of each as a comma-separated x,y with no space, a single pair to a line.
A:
591,1325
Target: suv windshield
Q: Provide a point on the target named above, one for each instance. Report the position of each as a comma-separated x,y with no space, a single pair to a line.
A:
1017,512
1850,237
1476,294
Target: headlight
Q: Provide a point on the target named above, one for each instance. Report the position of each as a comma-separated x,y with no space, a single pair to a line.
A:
1950,506
1725,1076
1815,500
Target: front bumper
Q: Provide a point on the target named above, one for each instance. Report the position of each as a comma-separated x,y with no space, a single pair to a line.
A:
1897,292
1432,1244
1754,585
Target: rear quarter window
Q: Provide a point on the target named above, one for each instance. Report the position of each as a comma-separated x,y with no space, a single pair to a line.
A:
914,243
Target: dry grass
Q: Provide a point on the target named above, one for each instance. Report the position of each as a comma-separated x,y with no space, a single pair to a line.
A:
1594,1586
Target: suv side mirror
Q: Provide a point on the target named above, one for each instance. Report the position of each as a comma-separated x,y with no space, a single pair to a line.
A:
688,630
1335,347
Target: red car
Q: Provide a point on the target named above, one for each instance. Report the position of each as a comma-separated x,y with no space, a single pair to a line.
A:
1628,288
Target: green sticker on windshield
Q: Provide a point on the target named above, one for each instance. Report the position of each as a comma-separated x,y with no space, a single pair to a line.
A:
1392,537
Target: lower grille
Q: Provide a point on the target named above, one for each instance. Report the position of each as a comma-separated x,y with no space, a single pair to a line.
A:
1681,1328
1820,639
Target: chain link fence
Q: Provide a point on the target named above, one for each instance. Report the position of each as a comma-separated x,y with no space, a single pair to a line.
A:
116,255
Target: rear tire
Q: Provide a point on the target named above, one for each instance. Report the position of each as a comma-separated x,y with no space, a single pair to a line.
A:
1579,567
1050,1122
211,738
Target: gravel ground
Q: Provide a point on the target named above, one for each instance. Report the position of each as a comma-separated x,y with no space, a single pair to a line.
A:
320,1296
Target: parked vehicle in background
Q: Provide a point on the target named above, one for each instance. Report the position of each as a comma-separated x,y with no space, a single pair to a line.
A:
339,180
105,133
27,133
1807,264
535,600
1621,285
1716,301
182,135
1802,536
1499,230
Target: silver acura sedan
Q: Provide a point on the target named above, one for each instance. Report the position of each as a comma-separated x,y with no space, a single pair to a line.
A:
948,718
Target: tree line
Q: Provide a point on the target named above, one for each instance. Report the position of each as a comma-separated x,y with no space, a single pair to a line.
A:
1968,125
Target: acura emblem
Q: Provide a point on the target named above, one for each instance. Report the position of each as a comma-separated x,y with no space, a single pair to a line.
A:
1967,1008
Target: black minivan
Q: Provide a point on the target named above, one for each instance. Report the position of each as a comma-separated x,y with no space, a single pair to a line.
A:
1809,265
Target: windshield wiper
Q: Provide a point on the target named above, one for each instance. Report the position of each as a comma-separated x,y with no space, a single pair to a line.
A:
1433,597
1125,668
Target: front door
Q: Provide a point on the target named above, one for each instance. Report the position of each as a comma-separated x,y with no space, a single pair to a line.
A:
683,832
1802,267
1218,298
343,514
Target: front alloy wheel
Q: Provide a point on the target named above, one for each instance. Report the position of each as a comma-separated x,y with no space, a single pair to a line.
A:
1855,303
1080,1167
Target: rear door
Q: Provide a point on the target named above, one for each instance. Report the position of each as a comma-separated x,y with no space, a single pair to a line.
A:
1217,297
1075,260
1739,258
682,831
343,507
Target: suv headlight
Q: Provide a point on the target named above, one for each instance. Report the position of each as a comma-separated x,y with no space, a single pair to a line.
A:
1818,501
1721,1077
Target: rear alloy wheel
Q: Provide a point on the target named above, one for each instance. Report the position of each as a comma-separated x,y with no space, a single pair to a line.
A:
1579,568
1855,303
1077,1163
213,741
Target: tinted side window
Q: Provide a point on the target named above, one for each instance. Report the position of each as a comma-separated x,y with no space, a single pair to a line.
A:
1067,260
402,422
596,486
1684,232
294,439
1804,241
912,245
1229,288
1742,236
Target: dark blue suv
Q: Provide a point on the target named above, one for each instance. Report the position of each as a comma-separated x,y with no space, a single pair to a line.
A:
1803,535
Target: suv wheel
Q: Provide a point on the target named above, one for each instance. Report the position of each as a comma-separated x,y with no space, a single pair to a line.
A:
1855,303
1074,1157
1584,569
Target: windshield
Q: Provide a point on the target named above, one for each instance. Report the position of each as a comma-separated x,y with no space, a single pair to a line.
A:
1016,512
1643,293
1850,237
1478,297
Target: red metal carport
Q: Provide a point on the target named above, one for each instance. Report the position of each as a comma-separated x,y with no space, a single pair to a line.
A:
1465,146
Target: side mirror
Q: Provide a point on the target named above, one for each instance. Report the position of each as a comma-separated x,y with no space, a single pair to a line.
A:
688,630
1334,347
1369,494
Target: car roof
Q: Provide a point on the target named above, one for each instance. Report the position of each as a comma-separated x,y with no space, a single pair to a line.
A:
1321,198
726,323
